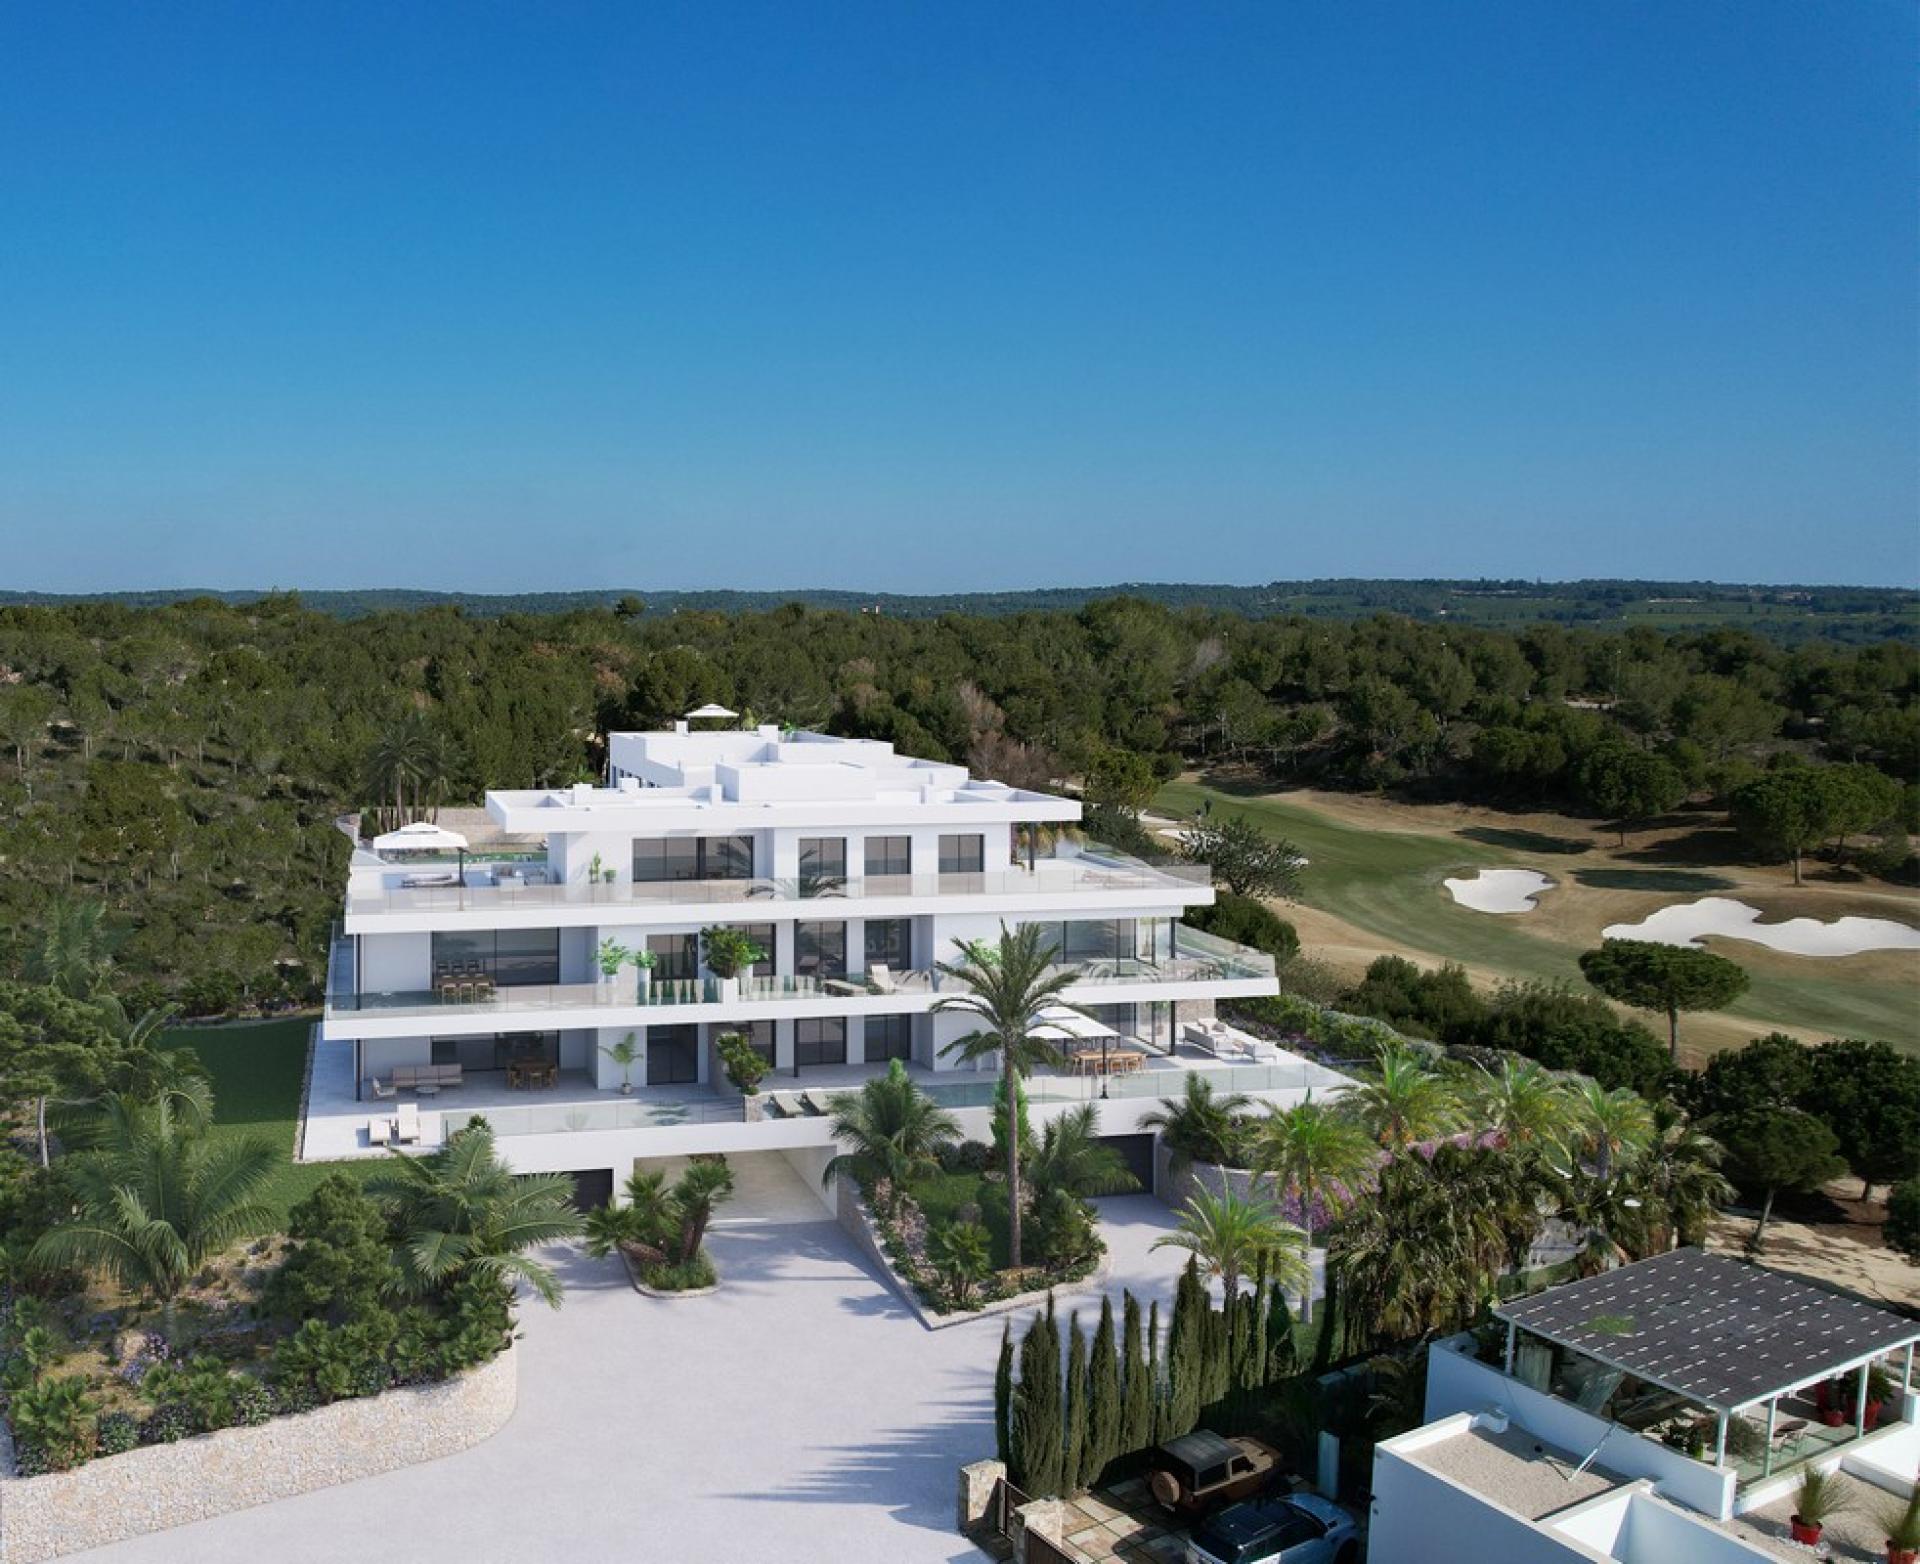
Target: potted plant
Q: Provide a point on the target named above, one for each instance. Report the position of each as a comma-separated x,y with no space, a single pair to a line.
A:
1879,1389
593,871
728,951
1903,1529
1820,1495
626,1053
745,1068
642,963
1830,1400
610,957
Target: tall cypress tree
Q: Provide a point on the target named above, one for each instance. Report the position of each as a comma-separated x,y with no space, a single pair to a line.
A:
1136,1412
1162,1405
1253,1363
1036,1411
1186,1355
1003,1398
1075,1422
1103,1398
1283,1353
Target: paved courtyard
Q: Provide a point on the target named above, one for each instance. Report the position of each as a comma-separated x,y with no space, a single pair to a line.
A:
800,1414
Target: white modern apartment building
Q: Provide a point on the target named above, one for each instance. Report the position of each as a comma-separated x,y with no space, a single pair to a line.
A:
854,869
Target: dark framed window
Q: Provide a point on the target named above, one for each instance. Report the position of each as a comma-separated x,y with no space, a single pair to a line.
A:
823,865
963,854
819,1040
764,935
889,1037
513,958
496,1051
890,943
1097,939
673,1055
660,858
889,855
820,949
674,955
759,1036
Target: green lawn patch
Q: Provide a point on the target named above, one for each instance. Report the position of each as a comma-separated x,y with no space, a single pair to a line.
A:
257,1070
941,1197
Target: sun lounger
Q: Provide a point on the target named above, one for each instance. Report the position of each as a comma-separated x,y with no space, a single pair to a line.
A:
379,1131
406,1123
813,1104
879,979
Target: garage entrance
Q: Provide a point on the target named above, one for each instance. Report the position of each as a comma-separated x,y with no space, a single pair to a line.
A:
592,1188
1137,1152
767,1189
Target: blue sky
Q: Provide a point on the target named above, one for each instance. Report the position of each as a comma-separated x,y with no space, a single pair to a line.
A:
947,296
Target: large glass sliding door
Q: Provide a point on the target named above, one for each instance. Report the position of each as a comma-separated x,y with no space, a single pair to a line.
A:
513,958
492,1051
673,1055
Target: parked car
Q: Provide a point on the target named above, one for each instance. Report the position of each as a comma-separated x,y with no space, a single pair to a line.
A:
1301,1528
1199,1472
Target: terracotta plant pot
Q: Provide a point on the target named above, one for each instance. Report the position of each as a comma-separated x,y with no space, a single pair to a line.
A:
1873,1414
1833,1417
1902,1555
1801,1531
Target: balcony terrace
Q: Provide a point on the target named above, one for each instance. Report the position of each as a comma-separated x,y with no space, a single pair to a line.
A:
1202,958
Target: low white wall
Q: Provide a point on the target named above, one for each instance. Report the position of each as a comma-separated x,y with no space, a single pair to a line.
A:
1459,1382
160,1486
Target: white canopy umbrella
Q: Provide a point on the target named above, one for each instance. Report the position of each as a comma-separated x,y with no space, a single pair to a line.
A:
1061,1023
422,836
711,710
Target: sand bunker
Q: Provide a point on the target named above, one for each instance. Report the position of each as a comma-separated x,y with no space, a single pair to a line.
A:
1499,890
1685,922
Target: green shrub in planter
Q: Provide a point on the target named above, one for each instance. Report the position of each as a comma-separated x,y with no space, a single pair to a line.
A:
745,1068
55,1417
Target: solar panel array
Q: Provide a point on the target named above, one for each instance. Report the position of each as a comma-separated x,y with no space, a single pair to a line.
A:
1717,1330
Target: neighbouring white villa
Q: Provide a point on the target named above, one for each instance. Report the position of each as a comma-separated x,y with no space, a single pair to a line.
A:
466,975
1659,1412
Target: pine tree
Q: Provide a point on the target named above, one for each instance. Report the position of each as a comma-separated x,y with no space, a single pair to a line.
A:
1103,1398
1136,1413
1075,1423
1003,1398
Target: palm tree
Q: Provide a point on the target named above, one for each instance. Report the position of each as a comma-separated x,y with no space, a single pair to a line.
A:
1231,1236
1403,1102
72,953
706,1184
1523,1104
1679,1178
1200,1127
1319,1157
1071,1159
892,1133
158,1200
460,1212
402,757
1609,1127
1009,985
1415,1257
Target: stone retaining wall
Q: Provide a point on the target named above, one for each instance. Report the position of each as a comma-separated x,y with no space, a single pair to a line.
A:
1174,1189
158,1486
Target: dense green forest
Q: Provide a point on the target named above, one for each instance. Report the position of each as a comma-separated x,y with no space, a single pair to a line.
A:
180,767
1851,615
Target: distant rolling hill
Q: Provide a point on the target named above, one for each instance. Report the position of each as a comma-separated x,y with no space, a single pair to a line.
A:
1790,613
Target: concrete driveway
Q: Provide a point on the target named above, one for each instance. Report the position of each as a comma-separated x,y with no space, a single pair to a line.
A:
800,1414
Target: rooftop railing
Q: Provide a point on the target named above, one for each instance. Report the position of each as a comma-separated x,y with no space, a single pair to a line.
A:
1050,876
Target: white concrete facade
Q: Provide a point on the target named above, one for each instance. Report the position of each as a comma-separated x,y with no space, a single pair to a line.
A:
857,871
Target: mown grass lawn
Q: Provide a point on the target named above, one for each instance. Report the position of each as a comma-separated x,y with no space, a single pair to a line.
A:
257,1068
1387,884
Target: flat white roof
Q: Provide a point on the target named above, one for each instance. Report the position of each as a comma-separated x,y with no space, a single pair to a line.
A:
683,779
